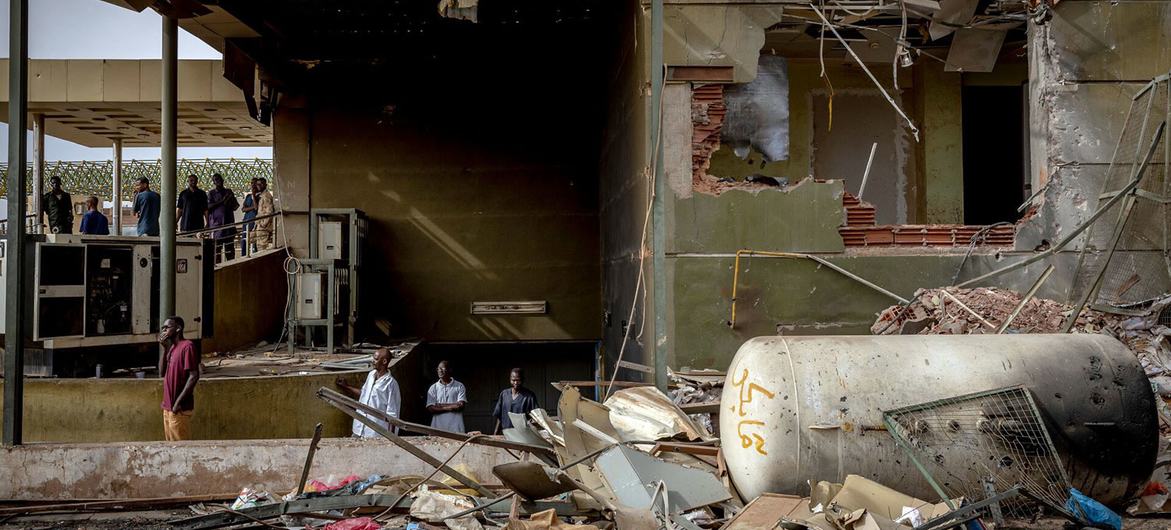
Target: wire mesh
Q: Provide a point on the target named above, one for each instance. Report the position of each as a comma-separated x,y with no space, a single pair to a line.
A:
998,438
1139,270
86,177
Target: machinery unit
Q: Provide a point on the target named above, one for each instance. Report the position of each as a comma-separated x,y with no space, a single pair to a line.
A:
94,299
811,408
325,286
319,295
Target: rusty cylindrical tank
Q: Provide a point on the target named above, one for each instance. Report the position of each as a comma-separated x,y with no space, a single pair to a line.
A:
1097,403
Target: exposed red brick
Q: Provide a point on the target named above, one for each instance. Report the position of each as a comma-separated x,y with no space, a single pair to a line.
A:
862,231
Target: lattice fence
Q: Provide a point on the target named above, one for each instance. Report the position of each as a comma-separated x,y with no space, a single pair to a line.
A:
95,177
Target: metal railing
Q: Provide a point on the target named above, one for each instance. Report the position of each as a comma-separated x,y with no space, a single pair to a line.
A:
245,238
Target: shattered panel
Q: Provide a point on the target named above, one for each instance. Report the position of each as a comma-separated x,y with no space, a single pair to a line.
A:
974,50
758,112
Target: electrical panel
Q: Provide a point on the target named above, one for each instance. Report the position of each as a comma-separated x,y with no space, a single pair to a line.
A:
329,240
309,300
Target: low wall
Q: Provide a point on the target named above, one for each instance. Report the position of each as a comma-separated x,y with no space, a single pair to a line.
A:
161,469
124,410
249,302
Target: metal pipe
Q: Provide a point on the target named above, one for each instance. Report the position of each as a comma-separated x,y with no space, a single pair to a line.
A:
15,307
1025,299
38,169
168,185
116,189
866,173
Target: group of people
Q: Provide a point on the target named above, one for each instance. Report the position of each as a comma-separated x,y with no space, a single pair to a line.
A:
446,398
195,210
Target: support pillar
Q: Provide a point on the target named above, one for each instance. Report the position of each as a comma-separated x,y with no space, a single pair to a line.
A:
116,190
170,104
662,345
38,170
14,270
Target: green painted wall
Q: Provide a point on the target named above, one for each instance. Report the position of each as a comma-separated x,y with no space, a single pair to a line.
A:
939,105
803,218
124,410
789,296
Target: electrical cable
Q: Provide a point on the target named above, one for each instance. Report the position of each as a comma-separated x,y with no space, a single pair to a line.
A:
889,99
641,246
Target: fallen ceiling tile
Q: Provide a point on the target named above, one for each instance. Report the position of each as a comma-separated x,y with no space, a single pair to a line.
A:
952,14
974,50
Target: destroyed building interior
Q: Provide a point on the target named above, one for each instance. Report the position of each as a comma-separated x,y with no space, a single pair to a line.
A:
764,264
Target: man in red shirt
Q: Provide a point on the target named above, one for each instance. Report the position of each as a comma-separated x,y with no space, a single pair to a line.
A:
179,365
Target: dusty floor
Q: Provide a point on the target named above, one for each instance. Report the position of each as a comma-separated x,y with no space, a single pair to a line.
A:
157,519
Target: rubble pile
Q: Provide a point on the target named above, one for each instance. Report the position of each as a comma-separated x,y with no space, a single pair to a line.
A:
942,311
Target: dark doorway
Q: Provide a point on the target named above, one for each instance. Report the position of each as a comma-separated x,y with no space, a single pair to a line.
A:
995,174
483,368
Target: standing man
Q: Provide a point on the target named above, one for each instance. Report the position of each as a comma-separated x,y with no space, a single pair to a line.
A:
93,222
445,401
58,207
379,392
249,209
517,399
221,210
179,366
192,208
264,206
146,207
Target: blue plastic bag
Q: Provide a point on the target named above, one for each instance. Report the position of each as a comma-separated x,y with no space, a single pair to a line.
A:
1094,512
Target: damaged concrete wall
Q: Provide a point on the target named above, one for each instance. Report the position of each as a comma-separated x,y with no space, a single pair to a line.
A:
153,470
835,145
1085,65
717,35
625,190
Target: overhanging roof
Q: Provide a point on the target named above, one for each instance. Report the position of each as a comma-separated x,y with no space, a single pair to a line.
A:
92,102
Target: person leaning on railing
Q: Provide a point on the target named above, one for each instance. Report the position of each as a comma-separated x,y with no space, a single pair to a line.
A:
264,211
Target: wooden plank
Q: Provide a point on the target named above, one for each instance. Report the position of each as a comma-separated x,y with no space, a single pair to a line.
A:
701,408
765,512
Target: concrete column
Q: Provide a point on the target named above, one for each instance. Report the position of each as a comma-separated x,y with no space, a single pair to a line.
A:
38,168
116,189
170,104
662,346
15,308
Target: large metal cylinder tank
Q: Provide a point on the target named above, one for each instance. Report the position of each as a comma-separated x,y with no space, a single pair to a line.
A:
811,408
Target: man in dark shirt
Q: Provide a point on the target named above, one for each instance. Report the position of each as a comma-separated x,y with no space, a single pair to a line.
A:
221,210
93,222
146,207
179,367
58,207
192,208
516,399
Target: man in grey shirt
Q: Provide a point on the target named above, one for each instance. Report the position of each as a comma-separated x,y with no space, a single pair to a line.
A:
445,401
